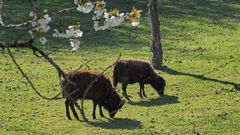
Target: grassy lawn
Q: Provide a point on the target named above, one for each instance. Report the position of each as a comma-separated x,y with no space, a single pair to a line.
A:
201,43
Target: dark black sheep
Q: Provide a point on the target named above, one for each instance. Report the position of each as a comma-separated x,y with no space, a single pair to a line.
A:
102,93
133,71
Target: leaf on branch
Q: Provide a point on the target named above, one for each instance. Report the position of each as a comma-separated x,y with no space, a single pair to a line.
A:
100,4
134,16
113,12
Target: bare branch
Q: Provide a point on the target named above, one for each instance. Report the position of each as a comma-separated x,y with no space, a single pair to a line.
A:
16,45
38,93
35,50
59,70
63,10
55,50
11,25
85,63
17,25
33,8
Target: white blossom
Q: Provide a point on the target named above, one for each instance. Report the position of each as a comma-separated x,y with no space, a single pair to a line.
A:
31,14
45,10
102,20
34,23
86,8
114,21
98,27
110,21
76,2
41,25
43,40
74,44
135,23
122,15
1,21
72,34
99,13
30,32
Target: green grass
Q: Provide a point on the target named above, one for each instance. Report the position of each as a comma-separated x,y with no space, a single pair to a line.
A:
201,66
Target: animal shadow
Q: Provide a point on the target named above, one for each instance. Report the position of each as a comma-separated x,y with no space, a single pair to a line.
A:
118,123
157,101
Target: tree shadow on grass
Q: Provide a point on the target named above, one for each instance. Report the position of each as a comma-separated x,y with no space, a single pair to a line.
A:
193,9
157,101
118,123
201,77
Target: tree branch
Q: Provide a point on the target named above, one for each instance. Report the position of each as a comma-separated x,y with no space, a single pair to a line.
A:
30,82
63,10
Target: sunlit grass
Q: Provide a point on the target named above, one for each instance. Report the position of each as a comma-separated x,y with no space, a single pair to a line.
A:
201,66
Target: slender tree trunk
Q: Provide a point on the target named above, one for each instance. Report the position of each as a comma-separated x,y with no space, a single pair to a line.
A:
156,45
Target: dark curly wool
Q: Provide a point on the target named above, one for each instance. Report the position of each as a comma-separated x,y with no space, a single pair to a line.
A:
102,93
133,71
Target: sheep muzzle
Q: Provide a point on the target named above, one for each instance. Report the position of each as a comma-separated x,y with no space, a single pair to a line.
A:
112,114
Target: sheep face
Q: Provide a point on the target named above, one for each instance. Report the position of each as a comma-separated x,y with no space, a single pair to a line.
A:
114,110
114,103
159,85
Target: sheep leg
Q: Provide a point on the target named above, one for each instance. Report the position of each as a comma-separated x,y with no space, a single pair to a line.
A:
73,110
141,89
67,109
115,83
94,110
81,111
124,87
100,109
144,93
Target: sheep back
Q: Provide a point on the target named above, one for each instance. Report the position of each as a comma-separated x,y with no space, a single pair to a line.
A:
132,71
102,88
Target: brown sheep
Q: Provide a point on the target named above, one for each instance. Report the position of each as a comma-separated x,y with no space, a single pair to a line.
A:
133,71
102,93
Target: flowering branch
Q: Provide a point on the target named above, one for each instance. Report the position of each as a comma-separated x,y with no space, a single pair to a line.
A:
39,25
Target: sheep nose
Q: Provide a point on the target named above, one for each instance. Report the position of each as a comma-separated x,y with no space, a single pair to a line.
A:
111,116
160,94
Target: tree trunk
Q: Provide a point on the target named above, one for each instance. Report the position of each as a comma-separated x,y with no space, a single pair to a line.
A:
156,45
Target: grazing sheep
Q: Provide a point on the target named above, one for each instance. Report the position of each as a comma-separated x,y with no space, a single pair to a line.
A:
102,93
132,71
